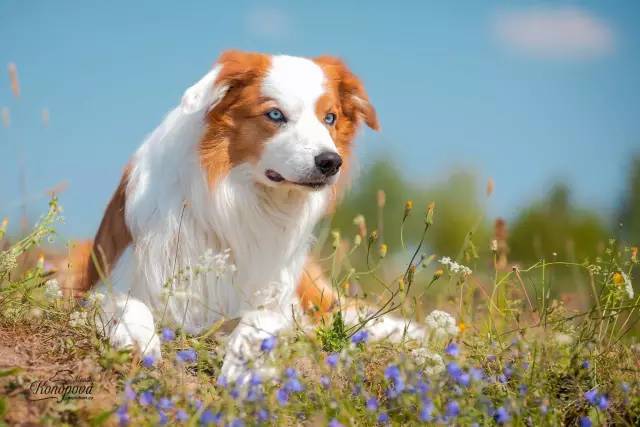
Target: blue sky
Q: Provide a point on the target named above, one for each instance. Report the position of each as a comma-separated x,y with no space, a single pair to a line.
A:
526,93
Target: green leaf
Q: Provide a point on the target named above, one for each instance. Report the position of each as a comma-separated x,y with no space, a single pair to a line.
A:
10,371
101,418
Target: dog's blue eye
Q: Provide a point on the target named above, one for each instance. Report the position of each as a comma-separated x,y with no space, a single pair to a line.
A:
276,115
330,119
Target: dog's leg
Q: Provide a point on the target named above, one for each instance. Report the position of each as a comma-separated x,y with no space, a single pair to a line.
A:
394,329
128,322
243,347
387,327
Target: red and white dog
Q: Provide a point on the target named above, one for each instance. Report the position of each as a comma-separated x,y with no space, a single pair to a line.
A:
239,172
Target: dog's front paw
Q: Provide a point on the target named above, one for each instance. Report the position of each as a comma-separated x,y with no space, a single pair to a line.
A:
129,323
135,335
244,348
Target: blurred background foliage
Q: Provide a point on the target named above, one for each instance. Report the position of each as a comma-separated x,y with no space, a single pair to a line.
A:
551,227
459,205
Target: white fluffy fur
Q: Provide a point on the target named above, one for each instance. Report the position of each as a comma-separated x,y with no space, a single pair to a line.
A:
174,218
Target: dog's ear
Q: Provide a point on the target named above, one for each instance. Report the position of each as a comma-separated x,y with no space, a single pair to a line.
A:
353,97
233,68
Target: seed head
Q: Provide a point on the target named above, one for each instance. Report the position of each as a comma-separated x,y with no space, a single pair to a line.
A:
408,206
383,250
382,198
335,235
429,217
490,187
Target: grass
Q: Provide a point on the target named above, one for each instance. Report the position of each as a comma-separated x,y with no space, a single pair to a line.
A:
502,347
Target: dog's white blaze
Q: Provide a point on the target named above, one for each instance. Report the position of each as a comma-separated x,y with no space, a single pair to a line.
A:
295,84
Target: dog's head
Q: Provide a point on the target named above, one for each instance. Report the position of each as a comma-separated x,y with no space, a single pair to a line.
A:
291,119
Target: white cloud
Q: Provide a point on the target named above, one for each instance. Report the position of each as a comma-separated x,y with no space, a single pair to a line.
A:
268,22
555,33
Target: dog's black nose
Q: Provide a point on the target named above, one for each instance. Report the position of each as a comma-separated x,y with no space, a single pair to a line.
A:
328,163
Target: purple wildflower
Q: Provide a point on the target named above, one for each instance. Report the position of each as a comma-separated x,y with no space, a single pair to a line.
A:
254,394
452,409
603,402
164,419
501,415
197,404
165,403
268,344
383,418
235,393
454,370
464,379
372,404
585,364
290,373
182,416
148,361
208,417
128,392
293,386
335,423
585,422
168,334
146,398
262,415
591,396
222,381
476,374
452,350
356,390
325,381
255,379
123,415
332,359
392,372
282,396
426,412
237,423
523,389
508,372
185,356
360,337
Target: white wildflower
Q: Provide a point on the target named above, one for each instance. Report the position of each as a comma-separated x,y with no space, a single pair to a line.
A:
95,298
431,362
218,263
445,260
78,319
441,324
494,245
454,267
628,286
563,338
52,289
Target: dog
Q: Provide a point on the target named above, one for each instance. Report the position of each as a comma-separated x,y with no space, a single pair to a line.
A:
213,216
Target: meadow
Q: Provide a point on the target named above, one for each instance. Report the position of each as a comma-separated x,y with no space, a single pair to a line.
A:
504,345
